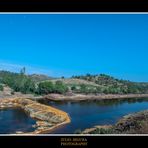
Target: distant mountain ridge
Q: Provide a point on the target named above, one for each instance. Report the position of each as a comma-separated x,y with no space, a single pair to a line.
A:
40,77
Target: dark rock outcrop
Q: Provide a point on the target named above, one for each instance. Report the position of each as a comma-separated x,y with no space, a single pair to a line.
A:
136,123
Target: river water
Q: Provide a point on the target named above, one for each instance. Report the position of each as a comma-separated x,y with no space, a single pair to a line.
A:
87,114
15,120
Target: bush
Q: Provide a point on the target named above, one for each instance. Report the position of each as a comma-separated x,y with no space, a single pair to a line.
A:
48,87
45,87
1,88
73,88
60,87
18,82
12,92
103,131
77,131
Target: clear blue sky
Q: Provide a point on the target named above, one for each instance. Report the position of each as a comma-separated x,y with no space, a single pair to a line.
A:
60,44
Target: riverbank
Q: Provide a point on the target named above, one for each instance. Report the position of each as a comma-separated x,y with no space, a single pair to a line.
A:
136,123
81,97
47,118
9,93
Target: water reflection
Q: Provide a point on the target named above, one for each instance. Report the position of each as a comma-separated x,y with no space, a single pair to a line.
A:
86,114
13,120
107,102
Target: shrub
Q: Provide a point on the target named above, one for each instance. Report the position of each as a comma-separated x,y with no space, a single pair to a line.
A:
48,87
45,87
78,131
12,92
103,131
18,82
60,87
1,87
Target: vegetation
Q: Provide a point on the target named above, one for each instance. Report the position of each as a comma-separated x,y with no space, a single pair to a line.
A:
18,82
1,87
60,87
104,131
48,87
110,85
45,88
85,84
136,123
39,78
78,131
86,89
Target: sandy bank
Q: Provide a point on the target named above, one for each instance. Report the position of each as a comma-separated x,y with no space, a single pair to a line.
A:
80,97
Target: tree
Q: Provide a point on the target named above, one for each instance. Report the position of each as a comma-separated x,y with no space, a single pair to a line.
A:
1,87
83,88
73,88
23,71
45,87
106,91
98,89
60,87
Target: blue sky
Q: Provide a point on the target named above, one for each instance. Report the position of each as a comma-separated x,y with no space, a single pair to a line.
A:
70,44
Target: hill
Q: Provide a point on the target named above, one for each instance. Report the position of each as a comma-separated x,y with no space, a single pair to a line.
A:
113,85
39,77
83,84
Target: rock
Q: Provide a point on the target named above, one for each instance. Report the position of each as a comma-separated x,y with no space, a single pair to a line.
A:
34,126
136,123
46,116
43,124
19,132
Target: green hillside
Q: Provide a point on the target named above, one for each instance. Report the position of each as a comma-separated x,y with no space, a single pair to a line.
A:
84,84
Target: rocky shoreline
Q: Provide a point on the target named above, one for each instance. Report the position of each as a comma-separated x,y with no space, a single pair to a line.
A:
47,118
82,97
136,123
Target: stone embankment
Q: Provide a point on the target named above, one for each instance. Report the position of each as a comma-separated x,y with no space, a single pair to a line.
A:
47,118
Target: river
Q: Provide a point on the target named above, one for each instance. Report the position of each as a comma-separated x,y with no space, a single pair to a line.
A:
87,114
15,120
84,114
